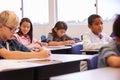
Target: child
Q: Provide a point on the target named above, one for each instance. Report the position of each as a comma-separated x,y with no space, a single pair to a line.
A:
58,36
11,48
109,55
25,35
95,39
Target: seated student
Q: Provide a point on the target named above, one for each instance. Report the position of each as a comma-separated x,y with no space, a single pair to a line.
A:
58,36
95,38
25,35
14,49
109,55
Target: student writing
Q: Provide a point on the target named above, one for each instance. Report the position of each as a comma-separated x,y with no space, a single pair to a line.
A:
58,36
11,48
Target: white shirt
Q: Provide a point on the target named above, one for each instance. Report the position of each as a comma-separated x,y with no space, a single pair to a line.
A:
93,42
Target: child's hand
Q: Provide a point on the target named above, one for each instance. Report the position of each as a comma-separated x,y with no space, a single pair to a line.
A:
44,53
44,44
71,41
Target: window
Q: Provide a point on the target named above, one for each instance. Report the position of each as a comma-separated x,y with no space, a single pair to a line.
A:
108,9
75,11
37,11
13,5
70,11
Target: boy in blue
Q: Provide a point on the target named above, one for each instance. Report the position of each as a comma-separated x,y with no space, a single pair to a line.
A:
109,55
11,48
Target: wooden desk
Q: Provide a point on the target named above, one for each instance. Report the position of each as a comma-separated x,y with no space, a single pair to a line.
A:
107,73
32,69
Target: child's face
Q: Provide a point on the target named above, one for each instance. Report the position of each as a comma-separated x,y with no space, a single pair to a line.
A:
60,32
96,26
25,27
8,31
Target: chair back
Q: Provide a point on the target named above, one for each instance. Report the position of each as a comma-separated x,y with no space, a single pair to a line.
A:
76,39
76,48
43,38
92,63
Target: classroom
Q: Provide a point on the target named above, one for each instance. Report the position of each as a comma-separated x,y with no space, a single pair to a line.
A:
60,61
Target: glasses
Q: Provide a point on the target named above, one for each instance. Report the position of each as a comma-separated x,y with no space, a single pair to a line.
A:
11,29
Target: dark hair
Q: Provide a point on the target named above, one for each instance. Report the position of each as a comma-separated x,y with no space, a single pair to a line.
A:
30,33
59,25
92,17
116,26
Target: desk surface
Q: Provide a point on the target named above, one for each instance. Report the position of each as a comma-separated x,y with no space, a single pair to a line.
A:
41,69
7,65
69,57
57,47
62,47
107,73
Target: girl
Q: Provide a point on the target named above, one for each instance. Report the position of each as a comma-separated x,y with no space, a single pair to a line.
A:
25,35
58,36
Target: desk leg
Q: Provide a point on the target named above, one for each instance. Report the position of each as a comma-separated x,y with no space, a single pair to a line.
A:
83,65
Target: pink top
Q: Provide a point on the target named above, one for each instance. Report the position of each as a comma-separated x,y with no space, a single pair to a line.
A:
24,40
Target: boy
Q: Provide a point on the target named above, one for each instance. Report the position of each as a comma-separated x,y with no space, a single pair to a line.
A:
11,48
95,39
109,55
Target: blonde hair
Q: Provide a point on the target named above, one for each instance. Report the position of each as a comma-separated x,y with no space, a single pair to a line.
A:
9,18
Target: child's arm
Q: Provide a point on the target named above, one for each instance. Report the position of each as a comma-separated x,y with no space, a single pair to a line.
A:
113,61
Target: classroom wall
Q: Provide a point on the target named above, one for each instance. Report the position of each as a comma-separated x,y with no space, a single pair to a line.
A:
73,30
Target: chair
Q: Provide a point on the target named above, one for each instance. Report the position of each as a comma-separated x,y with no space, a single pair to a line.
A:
112,36
92,63
76,39
43,38
76,48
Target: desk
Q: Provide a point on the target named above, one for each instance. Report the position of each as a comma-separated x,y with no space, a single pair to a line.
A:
60,49
90,52
57,47
69,64
16,70
107,73
67,49
31,70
